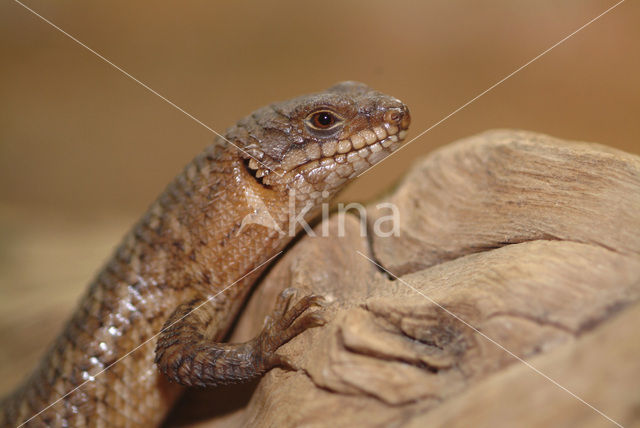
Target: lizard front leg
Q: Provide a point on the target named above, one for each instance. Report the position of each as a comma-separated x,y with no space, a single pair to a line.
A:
186,354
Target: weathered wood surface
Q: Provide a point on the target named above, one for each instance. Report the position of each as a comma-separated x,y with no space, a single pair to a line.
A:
533,241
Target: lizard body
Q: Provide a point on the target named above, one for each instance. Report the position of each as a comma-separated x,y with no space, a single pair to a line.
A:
190,261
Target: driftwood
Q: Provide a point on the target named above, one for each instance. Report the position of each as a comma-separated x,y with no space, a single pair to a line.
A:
510,244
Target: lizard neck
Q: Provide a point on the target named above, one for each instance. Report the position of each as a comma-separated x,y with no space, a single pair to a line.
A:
213,224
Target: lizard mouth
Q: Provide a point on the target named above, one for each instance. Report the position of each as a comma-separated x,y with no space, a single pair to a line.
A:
343,159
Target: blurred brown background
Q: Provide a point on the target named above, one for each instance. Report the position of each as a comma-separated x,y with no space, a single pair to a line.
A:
84,149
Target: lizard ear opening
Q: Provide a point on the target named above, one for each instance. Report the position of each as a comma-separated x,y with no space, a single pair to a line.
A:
256,171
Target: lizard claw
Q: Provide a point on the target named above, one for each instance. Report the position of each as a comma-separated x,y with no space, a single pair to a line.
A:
288,320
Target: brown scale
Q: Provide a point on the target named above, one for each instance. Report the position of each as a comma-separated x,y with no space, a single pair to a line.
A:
192,244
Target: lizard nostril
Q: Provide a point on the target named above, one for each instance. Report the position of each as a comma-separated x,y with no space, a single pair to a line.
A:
392,116
395,115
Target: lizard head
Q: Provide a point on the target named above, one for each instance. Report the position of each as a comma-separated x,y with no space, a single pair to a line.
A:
316,143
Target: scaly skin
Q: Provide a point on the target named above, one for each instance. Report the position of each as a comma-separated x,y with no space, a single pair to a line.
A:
227,213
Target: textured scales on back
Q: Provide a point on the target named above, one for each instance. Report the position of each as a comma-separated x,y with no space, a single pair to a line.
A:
106,367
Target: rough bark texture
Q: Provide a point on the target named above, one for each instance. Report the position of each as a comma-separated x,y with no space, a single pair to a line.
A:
532,242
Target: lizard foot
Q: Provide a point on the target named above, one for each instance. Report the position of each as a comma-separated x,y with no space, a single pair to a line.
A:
288,319
187,356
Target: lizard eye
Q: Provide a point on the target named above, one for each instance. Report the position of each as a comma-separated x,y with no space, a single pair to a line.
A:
323,120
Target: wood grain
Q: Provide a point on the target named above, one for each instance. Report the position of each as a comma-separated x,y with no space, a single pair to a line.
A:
531,240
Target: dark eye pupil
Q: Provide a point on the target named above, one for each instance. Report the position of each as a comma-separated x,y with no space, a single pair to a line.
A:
324,119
